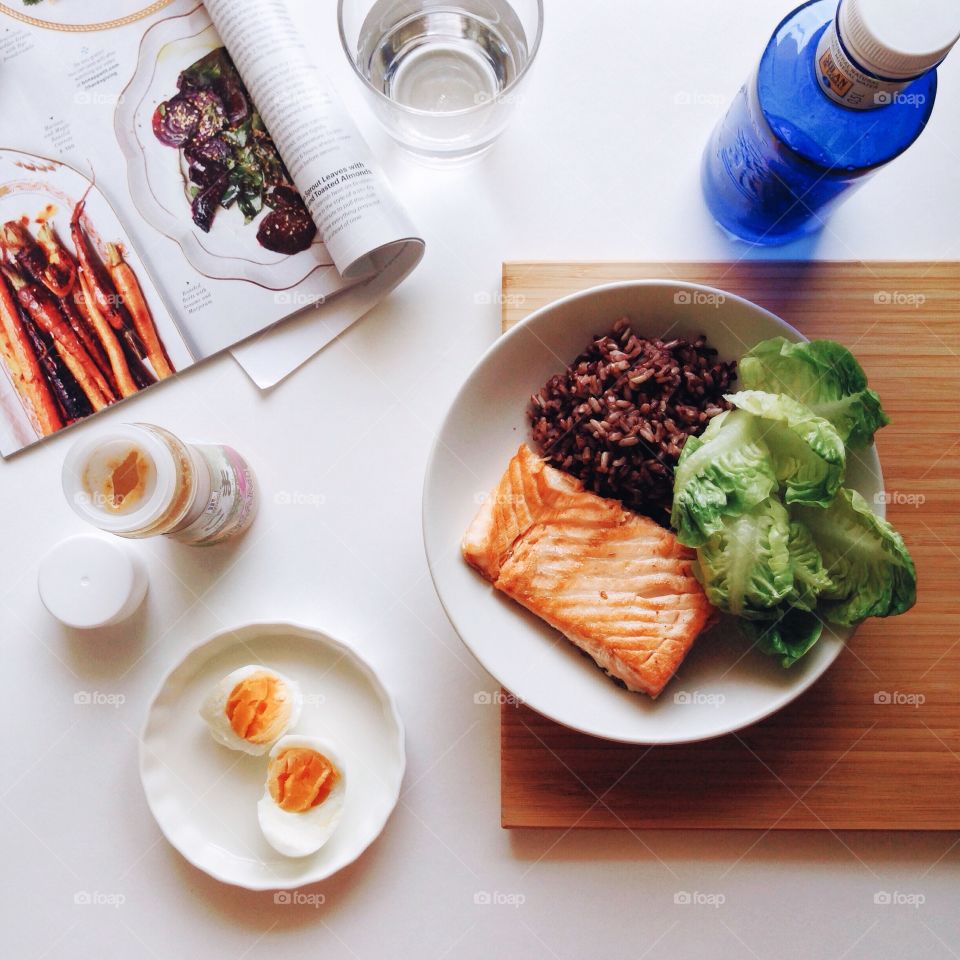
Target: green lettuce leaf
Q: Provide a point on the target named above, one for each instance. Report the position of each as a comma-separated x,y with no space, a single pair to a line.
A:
809,575
808,455
823,375
745,568
722,473
870,569
789,635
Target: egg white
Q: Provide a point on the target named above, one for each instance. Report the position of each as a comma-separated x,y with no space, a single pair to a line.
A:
300,834
213,710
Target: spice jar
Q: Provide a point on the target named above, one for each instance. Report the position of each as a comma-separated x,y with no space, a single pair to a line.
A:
139,480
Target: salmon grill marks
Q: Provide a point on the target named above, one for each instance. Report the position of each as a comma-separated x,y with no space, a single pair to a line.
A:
616,584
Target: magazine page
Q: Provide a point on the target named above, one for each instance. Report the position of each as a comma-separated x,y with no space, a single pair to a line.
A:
363,227
139,114
82,323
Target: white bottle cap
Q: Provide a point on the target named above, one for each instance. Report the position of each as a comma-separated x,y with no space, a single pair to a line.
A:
90,581
897,40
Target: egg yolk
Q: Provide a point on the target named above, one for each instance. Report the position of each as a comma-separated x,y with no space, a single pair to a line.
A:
300,779
258,708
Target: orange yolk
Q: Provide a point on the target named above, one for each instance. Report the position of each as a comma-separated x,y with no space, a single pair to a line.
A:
300,779
257,708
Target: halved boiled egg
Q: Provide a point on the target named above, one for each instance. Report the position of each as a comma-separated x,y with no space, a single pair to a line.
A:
302,801
251,708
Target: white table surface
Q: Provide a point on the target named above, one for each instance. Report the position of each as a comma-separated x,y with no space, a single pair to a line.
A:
600,162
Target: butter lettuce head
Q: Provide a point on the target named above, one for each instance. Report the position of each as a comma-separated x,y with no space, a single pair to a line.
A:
870,569
745,567
810,578
823,375
807,453
722,473
789,635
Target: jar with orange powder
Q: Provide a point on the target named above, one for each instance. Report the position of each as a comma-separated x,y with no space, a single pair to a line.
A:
139,480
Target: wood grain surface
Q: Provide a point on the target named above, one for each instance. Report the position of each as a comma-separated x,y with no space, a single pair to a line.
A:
875,744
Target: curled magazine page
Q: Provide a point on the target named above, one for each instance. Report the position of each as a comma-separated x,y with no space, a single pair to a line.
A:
363,226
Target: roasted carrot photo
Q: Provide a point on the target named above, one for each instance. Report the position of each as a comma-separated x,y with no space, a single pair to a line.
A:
76,329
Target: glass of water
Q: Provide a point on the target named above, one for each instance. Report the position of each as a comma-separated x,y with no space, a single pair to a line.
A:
442,75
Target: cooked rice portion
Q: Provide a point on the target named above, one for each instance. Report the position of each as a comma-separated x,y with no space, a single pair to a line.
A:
619,415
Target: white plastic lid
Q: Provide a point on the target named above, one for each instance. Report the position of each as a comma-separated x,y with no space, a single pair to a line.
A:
93,456
896,40
90,581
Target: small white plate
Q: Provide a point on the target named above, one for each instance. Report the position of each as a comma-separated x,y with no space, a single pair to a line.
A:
722,686
204,796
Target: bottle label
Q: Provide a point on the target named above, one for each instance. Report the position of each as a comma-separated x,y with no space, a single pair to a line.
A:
232,503
846,82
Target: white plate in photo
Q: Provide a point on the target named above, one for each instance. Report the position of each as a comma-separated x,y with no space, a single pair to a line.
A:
204,795
89,15
722,685
158,183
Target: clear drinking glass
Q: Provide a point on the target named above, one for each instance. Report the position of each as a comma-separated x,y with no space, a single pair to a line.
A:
442,75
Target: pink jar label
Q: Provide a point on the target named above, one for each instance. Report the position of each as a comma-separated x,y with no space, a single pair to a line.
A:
232,504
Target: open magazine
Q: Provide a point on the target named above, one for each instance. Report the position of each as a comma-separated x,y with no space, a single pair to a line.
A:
174,178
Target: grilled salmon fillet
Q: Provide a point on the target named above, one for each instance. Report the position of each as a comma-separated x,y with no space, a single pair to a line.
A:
616,584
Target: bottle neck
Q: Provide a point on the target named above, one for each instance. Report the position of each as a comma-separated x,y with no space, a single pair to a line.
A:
846,82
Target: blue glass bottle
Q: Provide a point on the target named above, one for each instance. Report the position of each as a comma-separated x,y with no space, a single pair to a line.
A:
787,153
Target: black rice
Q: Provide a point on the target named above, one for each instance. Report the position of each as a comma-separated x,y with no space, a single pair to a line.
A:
619,415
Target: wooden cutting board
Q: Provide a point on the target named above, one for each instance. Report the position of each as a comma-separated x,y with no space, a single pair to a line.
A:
875,744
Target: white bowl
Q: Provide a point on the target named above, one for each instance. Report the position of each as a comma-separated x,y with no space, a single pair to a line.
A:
204,796
723,685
